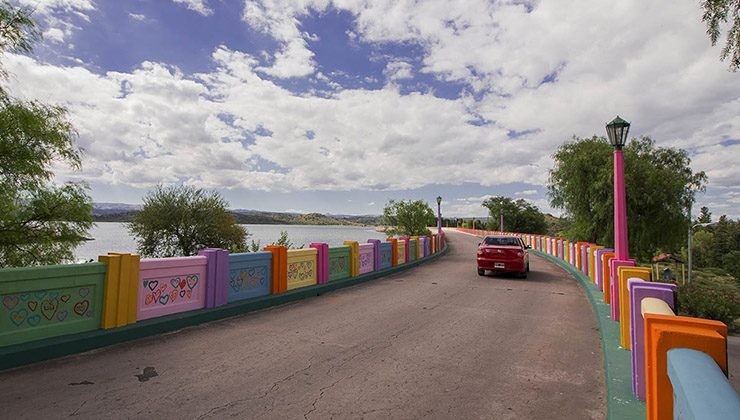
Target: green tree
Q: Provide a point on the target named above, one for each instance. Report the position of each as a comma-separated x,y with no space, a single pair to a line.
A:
180,221
519,215
408,218
716,14
705,216
702,248
726,247
40,222
660,186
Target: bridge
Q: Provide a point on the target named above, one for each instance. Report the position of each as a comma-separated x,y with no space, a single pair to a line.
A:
431,340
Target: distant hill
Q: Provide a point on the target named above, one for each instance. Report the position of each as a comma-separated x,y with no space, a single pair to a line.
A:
112,212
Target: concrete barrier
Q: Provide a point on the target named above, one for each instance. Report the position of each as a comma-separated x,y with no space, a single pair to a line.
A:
394,251
217,261
322,261
386,255
413,249
625,273
614,286
171,285
301,268
663,332
48,301
402,248
639,290
249,275
354,258
279,282
700,388
366,258
599,262
592,272
121,289
606,261
339,262
377,260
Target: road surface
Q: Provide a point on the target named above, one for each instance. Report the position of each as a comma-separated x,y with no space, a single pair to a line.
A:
436,341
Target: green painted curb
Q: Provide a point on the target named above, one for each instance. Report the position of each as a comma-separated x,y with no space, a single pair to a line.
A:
621,402
50,348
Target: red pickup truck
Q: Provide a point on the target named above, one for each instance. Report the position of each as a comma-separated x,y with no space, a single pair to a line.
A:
503,254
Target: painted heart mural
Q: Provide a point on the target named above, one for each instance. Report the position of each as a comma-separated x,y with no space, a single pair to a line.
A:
169,290
46,307
81,307
49,308
10,302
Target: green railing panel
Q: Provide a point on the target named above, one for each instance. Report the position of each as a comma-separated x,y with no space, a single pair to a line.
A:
41,302
339,262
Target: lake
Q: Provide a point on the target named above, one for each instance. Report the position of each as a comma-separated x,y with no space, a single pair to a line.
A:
114,237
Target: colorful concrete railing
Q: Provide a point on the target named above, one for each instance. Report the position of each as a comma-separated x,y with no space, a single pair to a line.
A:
250,275
366,257
171,285
700,388
122,290
340,264
302,267
42,302
650,331
386,255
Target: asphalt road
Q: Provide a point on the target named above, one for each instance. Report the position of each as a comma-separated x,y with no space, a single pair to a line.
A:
436,341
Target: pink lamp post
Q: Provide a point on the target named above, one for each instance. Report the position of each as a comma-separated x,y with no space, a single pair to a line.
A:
439,215
617,131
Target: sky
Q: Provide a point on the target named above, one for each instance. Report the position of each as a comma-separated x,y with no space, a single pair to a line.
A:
339,106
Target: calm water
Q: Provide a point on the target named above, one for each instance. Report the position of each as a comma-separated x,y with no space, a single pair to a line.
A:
114,237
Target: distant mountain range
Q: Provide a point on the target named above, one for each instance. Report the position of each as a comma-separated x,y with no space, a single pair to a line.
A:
119,212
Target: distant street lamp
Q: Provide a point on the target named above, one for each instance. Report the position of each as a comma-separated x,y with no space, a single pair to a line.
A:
439,215
691,234
617,131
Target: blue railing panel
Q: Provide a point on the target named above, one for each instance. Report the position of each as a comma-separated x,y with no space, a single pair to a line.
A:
700,388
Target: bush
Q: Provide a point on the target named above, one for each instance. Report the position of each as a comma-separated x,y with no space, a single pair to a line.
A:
711,297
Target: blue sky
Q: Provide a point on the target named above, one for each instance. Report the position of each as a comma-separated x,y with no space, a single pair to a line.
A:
339,106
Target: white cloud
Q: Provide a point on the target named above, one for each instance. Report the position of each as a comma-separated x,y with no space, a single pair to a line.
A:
199,6
57,17
396,70
138,17
651,64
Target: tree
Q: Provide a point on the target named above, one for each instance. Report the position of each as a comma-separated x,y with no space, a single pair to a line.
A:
40,222
660,186
705,216
408,218
181,220
715,15
702,247
519,215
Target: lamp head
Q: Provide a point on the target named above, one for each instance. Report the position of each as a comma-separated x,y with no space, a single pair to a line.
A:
617,131
439,200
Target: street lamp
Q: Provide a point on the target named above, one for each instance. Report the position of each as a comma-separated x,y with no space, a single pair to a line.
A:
617,131
691,234
439,215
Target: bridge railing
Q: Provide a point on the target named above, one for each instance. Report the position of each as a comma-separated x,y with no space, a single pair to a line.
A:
662,344
38,303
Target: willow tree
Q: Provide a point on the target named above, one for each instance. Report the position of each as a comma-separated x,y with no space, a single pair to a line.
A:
719,14
41,222
660,187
